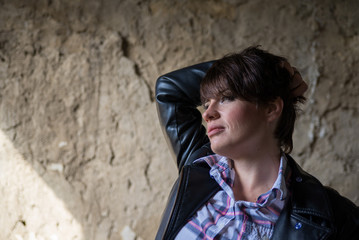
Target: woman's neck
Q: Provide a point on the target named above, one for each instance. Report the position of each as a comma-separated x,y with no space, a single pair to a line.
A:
255,175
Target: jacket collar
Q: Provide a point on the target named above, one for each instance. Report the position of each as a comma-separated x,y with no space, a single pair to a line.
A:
308,194
192,194
188,194
308,212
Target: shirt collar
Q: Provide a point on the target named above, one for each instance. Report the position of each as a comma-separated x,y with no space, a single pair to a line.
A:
223,173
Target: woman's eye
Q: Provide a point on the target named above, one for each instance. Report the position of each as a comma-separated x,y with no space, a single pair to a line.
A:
205,106
226,99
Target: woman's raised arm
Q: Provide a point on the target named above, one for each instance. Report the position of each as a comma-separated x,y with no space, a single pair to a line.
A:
177,96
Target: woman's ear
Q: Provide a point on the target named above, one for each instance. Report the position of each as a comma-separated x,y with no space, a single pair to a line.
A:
274,109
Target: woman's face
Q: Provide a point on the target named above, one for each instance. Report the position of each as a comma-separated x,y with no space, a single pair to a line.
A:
236,127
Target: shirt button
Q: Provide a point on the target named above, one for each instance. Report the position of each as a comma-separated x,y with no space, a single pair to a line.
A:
298,226
299,179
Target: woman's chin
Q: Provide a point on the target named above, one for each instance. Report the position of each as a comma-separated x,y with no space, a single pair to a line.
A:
218,148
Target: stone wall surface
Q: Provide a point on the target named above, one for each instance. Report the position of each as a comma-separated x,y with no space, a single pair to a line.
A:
82,155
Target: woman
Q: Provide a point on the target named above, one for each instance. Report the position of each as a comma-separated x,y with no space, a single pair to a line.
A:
238,181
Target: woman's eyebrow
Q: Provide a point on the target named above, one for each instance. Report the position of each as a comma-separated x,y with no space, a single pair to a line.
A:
226,93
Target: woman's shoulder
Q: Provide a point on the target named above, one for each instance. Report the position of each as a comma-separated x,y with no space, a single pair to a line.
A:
342,205
346,215
338,199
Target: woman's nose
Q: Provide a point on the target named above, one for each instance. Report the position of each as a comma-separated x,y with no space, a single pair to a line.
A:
210,114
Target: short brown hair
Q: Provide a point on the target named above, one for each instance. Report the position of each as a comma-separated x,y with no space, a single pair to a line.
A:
256,76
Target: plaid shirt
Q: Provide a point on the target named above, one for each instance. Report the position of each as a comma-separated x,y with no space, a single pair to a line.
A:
224,218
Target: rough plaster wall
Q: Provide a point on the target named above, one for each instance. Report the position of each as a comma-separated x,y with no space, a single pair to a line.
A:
79,131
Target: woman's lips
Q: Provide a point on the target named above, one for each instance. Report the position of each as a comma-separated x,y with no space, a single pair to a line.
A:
214,130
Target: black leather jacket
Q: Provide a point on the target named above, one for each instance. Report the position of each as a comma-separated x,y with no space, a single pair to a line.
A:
313,211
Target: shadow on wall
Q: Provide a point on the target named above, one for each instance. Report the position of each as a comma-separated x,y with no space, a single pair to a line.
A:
25,215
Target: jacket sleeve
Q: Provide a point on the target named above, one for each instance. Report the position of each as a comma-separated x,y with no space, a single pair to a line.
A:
177,97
